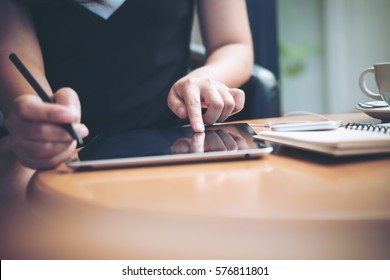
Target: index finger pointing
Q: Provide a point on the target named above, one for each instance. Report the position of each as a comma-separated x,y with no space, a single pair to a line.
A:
194,109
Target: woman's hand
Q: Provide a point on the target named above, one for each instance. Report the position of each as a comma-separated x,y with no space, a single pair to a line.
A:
189,95
228,64
34,128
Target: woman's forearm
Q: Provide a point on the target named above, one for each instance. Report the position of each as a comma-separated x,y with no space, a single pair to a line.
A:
17,35
231,65
226,34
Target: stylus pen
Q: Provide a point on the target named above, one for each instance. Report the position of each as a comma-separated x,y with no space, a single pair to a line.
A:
42,94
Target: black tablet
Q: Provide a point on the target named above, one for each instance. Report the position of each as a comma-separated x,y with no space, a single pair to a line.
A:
169,145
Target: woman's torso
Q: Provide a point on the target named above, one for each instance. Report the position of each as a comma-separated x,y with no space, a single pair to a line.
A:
123,67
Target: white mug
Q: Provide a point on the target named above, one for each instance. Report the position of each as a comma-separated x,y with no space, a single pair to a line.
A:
381,73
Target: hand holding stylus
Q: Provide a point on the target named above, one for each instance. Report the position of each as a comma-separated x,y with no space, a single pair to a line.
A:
43,133
41,93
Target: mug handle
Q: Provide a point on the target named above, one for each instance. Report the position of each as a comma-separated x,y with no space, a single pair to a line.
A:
363,84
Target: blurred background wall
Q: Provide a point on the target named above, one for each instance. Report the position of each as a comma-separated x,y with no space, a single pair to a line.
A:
324,45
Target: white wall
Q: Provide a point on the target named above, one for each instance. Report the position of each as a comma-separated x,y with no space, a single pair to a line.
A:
300,28
352,34
356,36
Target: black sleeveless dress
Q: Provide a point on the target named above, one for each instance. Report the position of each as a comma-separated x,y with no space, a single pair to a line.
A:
123,67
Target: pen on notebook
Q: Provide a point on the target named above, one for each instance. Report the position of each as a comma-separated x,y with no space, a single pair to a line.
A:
42,94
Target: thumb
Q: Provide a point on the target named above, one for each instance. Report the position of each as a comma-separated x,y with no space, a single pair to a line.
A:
69,98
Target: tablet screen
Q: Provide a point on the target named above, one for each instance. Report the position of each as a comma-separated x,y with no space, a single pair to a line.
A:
171,144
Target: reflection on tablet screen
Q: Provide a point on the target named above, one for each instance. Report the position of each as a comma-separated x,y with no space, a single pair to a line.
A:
175,144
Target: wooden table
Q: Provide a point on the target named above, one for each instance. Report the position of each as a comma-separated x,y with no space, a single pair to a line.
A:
290,205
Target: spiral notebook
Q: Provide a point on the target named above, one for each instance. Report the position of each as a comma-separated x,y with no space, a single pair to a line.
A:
352,139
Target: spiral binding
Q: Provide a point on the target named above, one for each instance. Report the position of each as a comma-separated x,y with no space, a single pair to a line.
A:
368,127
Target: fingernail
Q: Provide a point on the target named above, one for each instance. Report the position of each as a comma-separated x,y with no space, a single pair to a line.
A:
84,131
72,108
199,127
